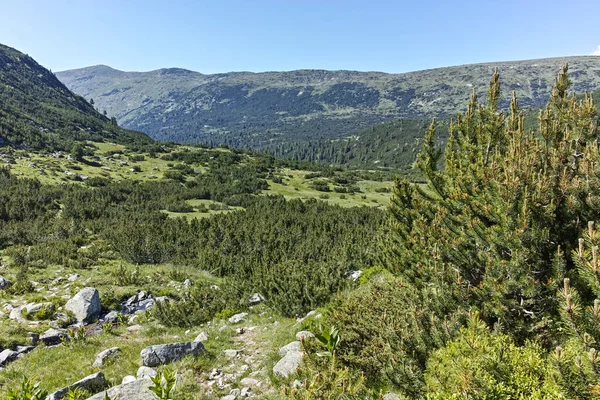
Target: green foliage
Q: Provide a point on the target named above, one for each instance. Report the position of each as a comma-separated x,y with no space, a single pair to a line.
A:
163,384
321,377
389,329
77,394
40,112
27,391
479,364
486,230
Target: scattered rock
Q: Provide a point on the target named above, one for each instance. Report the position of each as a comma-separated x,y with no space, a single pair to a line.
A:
92,383
135,328
354,275
293,346
136,390
143,372
85,305
127,379
256,298
7,356
288,364
104,355
53,336
24,349
165,353
111,317
304,335
4,283
231,353
246,392
73,277
237,318
249,382
202,337
229,397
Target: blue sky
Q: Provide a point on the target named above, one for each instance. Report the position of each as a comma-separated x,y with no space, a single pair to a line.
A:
265,35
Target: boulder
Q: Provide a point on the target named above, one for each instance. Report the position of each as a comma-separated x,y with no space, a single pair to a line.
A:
4,283
7,356
293,346
238,318
104,355
161,354
53,336
85,305
136,390
93,384
288,364
25,349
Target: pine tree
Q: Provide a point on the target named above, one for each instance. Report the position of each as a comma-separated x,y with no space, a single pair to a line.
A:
488,229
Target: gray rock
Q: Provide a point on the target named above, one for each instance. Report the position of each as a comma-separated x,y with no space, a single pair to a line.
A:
249,382
4,283
354,275
104,355
304,335
17,314
92,383
127,379
33,308
136,390
288,364
25,349
229,397
85,305
202,337
73,277
238,318
391,396
293,346
231,353
111,317
256,298
166,353
143,372
246,392
53,336
7,356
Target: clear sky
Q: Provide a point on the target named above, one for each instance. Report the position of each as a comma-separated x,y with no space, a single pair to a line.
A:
267,35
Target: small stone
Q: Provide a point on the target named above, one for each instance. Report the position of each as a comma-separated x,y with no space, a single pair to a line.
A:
256,298
161,354
53,336
202,337
246,392
231,353
238,318
127,379
134,328
249,382
304,335
4,283
391,396
288,364
104,355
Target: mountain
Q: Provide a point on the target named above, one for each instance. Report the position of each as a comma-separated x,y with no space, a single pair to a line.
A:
262,110
37,110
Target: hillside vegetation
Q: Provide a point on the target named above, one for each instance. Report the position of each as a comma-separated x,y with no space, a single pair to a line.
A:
37,110
272,109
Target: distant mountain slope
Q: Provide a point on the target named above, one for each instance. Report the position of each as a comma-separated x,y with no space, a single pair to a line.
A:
37,110
261,110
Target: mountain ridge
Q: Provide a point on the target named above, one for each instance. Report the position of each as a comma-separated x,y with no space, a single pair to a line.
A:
38,110
260,110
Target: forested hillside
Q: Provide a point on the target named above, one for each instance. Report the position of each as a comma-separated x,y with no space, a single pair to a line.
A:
266,110
37,110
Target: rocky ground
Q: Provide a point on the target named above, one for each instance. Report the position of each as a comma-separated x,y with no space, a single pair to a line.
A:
63,336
